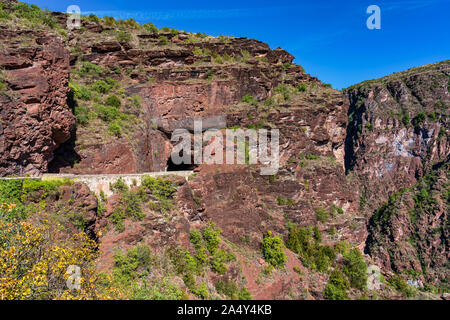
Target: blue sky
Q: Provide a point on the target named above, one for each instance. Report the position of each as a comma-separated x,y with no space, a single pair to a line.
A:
328,38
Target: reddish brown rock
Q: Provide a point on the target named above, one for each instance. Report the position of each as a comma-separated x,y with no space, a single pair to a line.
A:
386,148
35,119
397,151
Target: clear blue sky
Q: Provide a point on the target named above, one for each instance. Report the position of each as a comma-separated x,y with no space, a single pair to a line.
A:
328,38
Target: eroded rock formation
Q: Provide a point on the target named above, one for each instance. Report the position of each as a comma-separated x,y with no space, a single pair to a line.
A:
35,119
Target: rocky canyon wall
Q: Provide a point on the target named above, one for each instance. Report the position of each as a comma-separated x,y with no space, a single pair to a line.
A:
35,118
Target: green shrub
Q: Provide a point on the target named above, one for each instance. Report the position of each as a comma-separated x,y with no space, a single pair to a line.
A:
33,14
101,86
163,40
31,186
355,269
159,187
227,57
129,206
117,70
325,258
306,242
201,35
273,250
10,190
343,247
217,265
113,101
189,280
285,201
123,36
82,115
107,113
202,256
336,209
196,238
80,92
117,218
119,186
93,18
201,291
211,235
89,69
163,290
4,13
227,288
337,286
109,21
220,259
187,266
244,294
129,23
210,74
322,214
284,90
134,263
399,284
419,119
245,55
432,116
191,265
309,156
174,32
150,27
132,205
197,51
231,290
406,119
249,99
136,101
302,87
3,86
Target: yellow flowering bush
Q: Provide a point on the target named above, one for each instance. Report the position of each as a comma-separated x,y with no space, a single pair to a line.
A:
6,207
32,267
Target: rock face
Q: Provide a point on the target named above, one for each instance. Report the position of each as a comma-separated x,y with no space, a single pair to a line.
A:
398,151
202,77
410,233
398,128
311,177
35,119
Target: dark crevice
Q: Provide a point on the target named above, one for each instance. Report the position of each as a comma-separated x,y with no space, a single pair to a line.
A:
65,156
356,112
180,167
